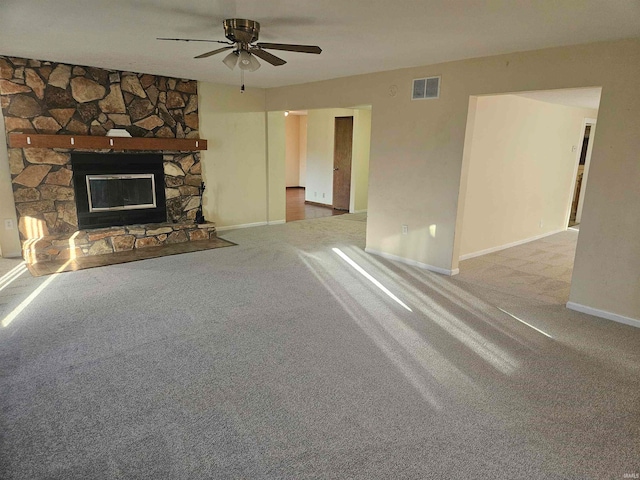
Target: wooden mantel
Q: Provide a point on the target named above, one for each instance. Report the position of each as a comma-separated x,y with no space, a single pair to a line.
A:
89,142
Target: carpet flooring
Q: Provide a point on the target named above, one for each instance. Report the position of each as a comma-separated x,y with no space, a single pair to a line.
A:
540,269
296,355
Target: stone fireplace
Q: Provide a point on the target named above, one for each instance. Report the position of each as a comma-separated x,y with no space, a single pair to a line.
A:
62,193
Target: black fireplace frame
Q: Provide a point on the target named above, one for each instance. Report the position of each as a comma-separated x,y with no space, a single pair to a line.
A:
84,164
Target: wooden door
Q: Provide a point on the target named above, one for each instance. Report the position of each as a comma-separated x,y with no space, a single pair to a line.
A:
343,143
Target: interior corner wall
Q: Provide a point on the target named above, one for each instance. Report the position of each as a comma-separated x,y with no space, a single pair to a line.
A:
9,239
521,171
360,160
320,144
302,143
235,164
292,153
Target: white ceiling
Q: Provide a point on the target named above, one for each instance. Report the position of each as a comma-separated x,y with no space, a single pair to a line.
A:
571,97
357,36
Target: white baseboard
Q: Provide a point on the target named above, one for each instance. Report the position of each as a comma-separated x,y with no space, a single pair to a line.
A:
359,211
413,263
467,256
11,254
603,314
242,225
249,225
318,204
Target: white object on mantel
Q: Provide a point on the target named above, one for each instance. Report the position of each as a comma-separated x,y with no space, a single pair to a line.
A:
118,132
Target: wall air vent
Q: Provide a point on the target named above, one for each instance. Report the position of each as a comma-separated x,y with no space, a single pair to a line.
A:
424,88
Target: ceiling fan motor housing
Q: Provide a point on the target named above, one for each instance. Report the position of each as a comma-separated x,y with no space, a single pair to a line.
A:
241,31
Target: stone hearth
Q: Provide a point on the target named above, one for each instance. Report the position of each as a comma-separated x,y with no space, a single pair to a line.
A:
83,243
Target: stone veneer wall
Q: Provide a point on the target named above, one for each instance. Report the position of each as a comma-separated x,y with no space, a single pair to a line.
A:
54,98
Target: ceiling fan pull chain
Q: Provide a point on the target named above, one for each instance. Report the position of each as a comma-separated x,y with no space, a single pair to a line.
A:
242,81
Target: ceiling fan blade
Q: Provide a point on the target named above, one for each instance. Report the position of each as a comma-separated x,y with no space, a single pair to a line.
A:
291,48
192,40
267,57
213,52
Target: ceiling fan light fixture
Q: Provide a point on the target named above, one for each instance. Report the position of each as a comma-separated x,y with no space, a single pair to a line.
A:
255,64
242,35
248,62
231,60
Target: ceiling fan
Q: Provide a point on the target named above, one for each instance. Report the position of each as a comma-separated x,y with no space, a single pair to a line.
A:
242,35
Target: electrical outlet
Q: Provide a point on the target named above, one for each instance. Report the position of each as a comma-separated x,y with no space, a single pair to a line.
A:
541,223
405,229
323,195
8,224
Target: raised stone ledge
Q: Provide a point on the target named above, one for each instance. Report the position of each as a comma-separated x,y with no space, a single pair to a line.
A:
100,241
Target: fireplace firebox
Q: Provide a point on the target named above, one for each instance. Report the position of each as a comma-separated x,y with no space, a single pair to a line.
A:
118,189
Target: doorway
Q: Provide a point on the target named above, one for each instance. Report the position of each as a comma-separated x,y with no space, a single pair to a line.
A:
520,168
317,142
343,146
295,171
522,152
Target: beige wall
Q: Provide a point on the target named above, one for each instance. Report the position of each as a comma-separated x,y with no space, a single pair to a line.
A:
9,241
521,170
416,163
360,160
235,164
277,195
292,152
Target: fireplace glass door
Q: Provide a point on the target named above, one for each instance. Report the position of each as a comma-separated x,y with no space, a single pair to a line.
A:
120,192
